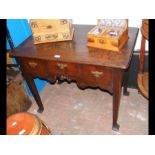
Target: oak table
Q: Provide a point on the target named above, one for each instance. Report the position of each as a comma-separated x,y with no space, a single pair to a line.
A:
73,60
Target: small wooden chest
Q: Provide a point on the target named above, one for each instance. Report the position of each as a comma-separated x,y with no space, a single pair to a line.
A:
109,34
51,30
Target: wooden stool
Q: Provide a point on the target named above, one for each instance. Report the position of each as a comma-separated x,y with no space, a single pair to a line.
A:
26,124
143,76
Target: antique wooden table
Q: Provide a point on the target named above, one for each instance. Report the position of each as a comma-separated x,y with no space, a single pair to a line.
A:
73,60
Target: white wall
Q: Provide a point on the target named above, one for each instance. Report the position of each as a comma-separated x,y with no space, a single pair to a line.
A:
132,23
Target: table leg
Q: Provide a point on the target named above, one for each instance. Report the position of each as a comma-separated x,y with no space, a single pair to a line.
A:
35,93
125,87
117,87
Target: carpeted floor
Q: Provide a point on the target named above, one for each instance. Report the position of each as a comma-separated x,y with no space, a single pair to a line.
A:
72,111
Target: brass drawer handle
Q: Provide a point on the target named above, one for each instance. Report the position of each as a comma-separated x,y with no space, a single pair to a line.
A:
62,66
32,64
101,41
91,40
96,73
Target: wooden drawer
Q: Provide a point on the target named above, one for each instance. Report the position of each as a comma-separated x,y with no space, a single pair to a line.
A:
51,30
50,25
35,67
63,68
97,76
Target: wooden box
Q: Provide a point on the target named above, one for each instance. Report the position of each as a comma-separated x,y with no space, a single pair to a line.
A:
109,34
51,30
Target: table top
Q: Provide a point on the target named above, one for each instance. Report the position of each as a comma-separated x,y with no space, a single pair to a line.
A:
76,50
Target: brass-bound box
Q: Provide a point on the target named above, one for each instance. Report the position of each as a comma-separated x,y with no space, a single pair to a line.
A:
51,30
109,34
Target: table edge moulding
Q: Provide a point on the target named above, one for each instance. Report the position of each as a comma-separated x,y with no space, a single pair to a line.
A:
73,60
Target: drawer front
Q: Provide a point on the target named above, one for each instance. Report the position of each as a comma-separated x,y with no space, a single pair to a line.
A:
63,68
97,76
35,67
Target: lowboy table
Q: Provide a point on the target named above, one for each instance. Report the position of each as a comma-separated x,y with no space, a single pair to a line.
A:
73,60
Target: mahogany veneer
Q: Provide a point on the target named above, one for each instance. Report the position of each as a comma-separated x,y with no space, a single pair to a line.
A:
73,60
